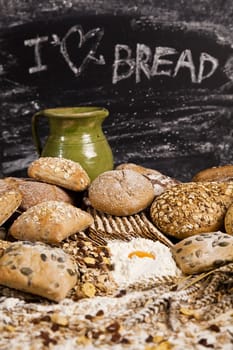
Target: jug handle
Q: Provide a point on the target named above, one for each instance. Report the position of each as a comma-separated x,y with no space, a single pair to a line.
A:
35,132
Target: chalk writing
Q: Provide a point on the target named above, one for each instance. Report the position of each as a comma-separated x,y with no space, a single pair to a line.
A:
161,61
37,48
96,33
125,65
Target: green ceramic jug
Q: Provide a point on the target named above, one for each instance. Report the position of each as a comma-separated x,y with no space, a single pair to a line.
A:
76,133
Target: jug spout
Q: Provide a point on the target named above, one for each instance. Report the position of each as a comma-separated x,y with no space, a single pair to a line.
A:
76,133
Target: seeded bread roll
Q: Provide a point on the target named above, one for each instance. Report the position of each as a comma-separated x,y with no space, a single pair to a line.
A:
34,192
50,222
159,181
228,220
219,173
38,269
192,208
203,252
59,171
120,192
10,200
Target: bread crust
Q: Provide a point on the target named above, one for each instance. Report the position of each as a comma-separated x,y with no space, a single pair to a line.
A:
120,192
220,173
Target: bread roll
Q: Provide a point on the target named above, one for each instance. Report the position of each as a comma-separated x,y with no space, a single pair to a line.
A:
219,173
192,208
159,181
50,222
138,168
120,192
34,192
10,200
228,220
59,171
38,269
203,252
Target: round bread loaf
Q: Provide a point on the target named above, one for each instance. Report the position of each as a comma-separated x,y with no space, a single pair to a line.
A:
39,269
34,192
192,208
159,181
120,192
59,171
219,173
203,252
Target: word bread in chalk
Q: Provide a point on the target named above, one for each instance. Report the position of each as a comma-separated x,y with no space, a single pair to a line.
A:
165,61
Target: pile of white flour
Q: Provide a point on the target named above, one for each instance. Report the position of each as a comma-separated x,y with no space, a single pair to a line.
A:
130,268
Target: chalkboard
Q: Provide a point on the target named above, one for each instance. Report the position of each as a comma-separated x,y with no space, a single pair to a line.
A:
163,69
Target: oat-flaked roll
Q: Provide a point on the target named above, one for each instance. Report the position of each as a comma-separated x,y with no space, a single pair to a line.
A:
191,208
120,192
39,269
34,192
59,171
50,222
10,200
203,252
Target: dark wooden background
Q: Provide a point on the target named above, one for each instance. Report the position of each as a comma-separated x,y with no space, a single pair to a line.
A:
164,69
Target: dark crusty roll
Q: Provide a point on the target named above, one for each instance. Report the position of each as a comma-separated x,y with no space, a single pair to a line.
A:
34,192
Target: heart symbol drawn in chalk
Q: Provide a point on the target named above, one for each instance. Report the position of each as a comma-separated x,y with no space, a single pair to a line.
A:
96,33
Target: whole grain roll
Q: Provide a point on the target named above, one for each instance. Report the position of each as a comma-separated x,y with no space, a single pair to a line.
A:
218,173
192,208
120,192
203,252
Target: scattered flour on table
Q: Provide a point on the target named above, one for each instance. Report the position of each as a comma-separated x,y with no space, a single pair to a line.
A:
128,270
